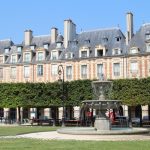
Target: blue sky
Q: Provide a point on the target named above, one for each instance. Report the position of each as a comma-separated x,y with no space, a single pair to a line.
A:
40,15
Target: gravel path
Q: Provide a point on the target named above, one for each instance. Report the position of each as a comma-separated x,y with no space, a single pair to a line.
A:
53,135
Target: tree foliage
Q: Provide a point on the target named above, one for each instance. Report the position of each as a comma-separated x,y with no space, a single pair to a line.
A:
130,91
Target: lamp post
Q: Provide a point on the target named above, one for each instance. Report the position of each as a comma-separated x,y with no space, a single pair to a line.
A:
61,82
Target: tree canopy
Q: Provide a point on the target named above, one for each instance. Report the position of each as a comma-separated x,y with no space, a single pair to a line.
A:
130,91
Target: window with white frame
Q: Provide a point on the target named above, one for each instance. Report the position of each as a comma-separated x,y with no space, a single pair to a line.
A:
40,56
19,49
46,46
100,71
1,72
147,36
83,54
13,73
100,52
68,55
54,55
14,58
69,72
32,47
134,67
54,70
116,69
26,71
1,59
39,70
58,45
116,51
84,71
27,57
134,50
7,50
148,47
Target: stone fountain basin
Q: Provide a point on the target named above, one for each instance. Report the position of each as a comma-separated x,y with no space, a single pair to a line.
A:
102,104
92,131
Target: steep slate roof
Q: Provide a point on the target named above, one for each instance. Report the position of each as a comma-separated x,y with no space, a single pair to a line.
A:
5,44
40,40
139,38
98,37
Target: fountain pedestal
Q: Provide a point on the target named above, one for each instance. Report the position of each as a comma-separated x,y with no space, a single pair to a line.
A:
102,124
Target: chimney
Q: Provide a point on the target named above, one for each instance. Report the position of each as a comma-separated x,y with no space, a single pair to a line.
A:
54,33
27,37
129,34
69,32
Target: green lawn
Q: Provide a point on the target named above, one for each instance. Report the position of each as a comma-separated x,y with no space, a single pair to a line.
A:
9,130
31,144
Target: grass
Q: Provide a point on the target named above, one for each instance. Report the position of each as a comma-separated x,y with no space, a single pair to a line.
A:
15,130
31,144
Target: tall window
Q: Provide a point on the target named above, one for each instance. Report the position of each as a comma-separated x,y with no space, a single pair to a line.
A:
26,71
69,72
1,59
116,69
27,57
40,70
54,55
54,70
13,73
1,72
99,70
40,56
84,71
13,58
134,67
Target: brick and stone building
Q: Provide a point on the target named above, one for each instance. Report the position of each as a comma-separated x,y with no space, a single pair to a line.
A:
84,55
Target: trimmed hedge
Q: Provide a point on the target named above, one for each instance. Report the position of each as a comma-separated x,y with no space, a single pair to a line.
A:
130,91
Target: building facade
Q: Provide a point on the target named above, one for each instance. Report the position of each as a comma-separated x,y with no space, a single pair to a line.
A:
85,55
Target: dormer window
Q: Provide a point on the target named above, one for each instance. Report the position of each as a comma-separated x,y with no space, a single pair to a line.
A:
118,38
7,50
19,49
27,57
32,47
147,35
58,45
46,46
68,55
83,54
100,52
54,55
116,51
14,58
40,56
148,47
134,50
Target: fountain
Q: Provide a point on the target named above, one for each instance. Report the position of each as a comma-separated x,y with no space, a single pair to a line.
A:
101,104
